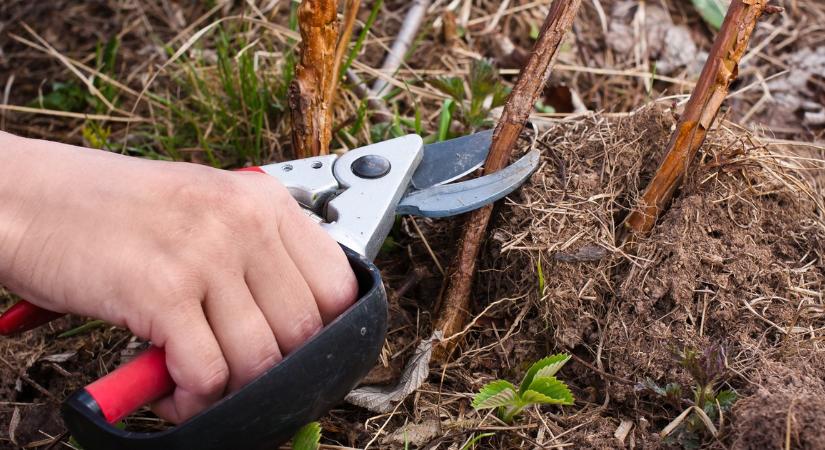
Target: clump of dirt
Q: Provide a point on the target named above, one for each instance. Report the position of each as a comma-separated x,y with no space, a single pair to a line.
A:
735,264
787,407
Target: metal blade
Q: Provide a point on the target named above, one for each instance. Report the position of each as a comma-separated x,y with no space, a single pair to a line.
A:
450,160
457,198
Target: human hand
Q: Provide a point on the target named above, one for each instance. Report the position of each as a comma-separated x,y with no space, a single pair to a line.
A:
222,269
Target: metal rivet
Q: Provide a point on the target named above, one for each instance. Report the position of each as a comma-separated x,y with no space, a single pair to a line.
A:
371,166
317,165
287,167
363,331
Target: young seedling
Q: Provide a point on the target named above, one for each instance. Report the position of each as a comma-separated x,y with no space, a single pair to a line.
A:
707,368
539,386
485,93
308,437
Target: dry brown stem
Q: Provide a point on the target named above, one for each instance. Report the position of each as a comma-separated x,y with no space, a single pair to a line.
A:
310,94
720,70
350,14
455,303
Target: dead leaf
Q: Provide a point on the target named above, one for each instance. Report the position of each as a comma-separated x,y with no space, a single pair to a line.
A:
588,253
416,435
15,421
59,357
382,399
670,45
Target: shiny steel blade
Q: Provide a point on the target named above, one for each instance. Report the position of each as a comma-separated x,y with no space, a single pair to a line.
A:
457,198
450,160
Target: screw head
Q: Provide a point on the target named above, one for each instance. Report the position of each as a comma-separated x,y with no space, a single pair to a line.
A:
371,166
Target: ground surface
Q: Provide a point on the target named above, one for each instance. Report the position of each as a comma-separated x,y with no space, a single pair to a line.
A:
725,294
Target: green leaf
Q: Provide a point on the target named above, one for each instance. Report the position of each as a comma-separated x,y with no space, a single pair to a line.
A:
495,394
541,278
64,97
483,78
445,119
534,31
452,86
673,391
356,49
548,390
308,437
90,325
726,398
713,11
551,363
650,384
474,440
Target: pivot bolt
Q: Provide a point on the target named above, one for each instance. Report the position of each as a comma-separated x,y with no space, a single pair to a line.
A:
371,166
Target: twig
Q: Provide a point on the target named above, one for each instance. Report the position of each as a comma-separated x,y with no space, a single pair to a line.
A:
308,101
343,42
413,278
454,310
27,379
406,35
720,70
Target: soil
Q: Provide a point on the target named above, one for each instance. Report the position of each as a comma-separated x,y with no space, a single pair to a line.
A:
735,264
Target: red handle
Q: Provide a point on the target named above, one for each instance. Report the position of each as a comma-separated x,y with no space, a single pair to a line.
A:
121,392
140,382
24,316
250,169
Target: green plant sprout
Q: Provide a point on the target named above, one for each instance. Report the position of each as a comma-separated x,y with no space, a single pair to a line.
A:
539,386
308,437
474,104
707,368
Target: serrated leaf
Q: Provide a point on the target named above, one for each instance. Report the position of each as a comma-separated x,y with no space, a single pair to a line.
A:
452,86
551,369
483,78
726,398
551,389
308,437
495,394
555,362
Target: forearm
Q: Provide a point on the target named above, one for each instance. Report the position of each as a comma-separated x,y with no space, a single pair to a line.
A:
19,193
39,193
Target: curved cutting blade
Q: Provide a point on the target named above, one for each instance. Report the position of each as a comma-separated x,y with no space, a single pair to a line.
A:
457,198
450,160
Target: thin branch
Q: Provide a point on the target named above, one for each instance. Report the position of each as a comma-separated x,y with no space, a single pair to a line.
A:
399,49
350,14
455,304
721,68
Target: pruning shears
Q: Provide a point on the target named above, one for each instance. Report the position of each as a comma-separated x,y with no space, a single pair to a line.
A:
355,198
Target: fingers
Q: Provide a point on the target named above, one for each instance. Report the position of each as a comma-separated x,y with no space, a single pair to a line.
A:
195,361
282,294
247,340
320,261
241,347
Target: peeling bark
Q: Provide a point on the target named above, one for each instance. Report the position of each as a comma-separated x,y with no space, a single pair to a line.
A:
455,303
721,68
311,92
